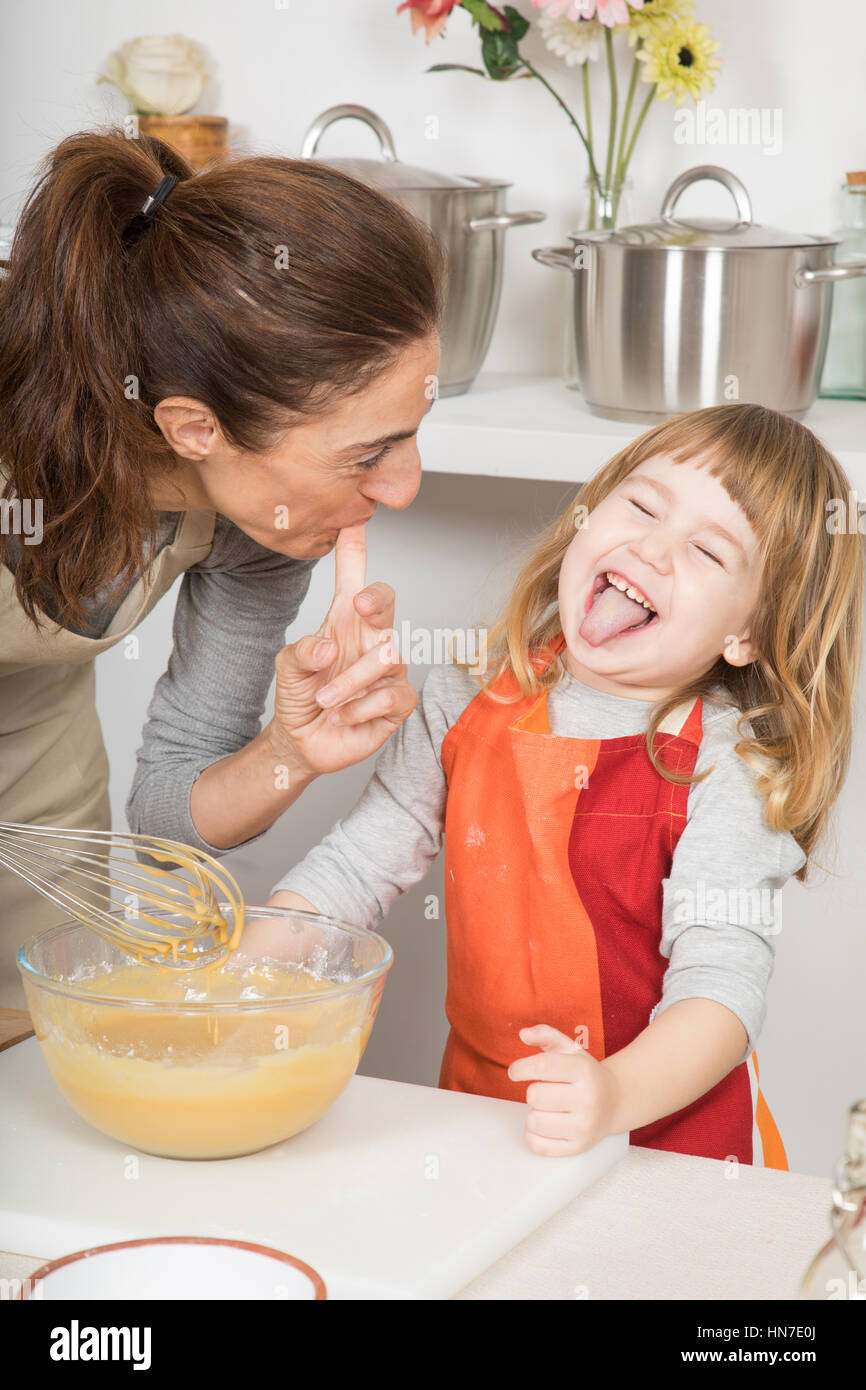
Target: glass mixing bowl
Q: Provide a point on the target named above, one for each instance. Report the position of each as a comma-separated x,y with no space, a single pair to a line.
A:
207,1063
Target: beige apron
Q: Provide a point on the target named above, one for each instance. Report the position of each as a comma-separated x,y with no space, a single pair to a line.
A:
53,765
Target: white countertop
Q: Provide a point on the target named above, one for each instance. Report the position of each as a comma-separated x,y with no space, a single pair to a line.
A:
656,1226
510,425
398,1191
670,1226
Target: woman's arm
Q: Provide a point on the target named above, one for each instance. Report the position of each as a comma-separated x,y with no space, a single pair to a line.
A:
350,657
229,622
240,796
206,774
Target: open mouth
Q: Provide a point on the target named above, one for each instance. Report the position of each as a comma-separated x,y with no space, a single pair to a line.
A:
614,608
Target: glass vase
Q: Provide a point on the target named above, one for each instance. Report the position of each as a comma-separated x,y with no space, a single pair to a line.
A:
604,209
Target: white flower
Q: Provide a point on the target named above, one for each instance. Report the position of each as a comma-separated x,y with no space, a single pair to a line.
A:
159,74
575,40
610,12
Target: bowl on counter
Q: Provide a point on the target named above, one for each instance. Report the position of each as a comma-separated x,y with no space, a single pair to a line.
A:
197,1063
175,1268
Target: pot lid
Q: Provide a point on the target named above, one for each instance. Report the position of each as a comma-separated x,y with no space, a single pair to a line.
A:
387,172
705,233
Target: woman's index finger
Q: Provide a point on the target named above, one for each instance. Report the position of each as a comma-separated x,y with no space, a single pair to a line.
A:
350,560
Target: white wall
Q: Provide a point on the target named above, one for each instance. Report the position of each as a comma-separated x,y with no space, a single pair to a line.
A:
276,70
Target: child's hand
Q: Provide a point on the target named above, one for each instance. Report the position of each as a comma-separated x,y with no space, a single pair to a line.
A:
372,691
280,938
573,1097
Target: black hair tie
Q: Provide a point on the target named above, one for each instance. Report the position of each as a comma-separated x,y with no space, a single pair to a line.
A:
144,217
157,198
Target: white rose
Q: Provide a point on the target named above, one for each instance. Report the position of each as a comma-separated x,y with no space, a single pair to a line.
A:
159,74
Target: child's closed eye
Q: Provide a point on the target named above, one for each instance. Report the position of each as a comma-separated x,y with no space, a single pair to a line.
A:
646,511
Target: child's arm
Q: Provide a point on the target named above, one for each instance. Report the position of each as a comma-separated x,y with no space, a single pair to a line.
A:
680,1056
263,936
721,916
283,898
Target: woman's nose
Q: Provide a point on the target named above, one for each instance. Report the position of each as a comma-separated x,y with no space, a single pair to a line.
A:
396,486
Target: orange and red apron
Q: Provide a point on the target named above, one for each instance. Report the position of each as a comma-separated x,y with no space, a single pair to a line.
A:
555,853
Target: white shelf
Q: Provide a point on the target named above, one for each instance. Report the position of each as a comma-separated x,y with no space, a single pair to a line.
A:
509,425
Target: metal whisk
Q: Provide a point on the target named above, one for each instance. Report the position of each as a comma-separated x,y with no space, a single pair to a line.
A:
148,912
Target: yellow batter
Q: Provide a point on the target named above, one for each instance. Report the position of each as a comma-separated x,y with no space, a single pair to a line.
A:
203,1084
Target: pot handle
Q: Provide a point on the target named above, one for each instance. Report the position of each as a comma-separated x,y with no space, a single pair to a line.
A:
736,189
501,221
822,273
558,257
339,113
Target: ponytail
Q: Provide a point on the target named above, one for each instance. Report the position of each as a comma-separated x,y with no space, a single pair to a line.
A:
103,315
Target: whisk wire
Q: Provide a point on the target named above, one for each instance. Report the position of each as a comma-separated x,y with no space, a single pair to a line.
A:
60,863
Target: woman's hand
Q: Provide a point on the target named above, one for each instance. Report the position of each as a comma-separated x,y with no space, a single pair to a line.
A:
573,1098
352,658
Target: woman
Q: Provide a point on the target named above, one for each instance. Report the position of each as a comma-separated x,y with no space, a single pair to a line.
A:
217,375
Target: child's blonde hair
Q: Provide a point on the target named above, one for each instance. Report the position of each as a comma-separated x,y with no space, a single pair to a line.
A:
797,695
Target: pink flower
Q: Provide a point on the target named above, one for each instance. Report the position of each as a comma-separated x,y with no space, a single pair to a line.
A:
609,12
430,15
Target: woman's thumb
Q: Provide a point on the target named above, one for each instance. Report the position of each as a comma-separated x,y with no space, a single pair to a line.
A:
306,655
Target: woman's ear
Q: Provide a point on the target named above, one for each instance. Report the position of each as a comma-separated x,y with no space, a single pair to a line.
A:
187,425
739,651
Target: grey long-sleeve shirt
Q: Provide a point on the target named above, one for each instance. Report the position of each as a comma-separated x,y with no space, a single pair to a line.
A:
721,909
230,621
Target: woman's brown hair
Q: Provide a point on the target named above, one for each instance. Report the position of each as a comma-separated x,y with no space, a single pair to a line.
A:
796,699
265,287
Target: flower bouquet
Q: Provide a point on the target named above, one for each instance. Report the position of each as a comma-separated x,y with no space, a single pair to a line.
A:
673,55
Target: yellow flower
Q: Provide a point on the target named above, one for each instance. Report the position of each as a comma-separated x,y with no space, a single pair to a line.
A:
656,14
679,59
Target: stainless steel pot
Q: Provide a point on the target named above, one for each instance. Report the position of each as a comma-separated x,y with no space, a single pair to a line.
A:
468,216
675,315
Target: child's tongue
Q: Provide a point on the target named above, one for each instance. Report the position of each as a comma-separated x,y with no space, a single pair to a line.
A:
612,612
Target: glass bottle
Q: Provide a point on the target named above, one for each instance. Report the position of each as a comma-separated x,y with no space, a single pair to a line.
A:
838,1271
603,210
844,374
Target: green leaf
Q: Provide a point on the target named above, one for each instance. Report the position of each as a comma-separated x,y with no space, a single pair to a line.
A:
517,25
483,15
457,67
499,54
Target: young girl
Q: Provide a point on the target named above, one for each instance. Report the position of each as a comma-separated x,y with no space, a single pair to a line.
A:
656,750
